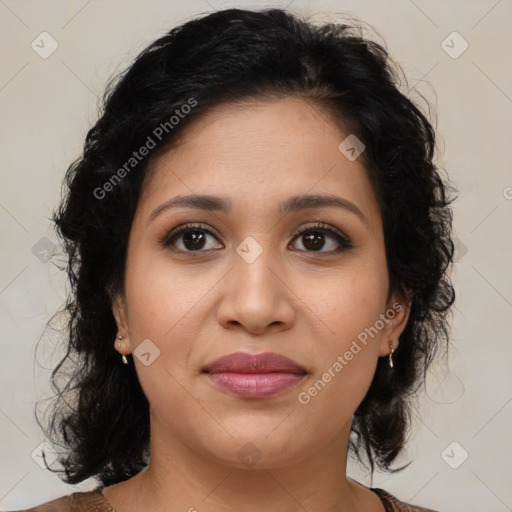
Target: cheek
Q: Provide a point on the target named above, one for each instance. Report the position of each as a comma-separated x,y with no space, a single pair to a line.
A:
158,304
162,295
348,306
346,360
328,403
345,301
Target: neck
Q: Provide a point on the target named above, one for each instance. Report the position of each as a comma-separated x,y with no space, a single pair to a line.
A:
178,478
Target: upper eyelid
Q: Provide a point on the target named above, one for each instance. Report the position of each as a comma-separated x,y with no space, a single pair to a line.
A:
178,230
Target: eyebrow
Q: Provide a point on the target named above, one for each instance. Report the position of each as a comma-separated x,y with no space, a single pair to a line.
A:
292,204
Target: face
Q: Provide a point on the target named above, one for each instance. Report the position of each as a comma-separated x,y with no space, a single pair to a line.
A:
257,273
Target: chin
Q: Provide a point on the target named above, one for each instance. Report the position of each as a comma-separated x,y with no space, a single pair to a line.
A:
257,447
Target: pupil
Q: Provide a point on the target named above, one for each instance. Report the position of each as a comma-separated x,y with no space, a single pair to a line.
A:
312,244
194,239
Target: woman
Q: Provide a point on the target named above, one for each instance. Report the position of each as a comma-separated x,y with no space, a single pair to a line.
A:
259,245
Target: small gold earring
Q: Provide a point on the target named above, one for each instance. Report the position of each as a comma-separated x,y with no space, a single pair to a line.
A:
123,357
391,354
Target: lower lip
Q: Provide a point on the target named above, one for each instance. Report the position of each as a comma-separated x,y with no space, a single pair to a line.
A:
255,385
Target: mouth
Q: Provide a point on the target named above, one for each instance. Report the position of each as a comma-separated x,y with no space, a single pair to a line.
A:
254,376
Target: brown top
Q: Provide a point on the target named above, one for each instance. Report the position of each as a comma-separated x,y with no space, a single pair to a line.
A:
94,501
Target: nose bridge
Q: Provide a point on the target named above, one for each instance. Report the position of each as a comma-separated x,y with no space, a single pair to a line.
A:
253,262
253,295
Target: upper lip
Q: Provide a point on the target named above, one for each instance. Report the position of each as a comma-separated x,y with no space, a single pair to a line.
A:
241,362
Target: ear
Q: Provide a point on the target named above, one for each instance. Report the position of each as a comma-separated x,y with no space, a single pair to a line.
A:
120,315
395,319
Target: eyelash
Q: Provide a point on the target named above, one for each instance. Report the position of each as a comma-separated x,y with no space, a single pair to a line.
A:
342,239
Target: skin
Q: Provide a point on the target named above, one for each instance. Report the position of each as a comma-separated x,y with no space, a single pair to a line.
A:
291,300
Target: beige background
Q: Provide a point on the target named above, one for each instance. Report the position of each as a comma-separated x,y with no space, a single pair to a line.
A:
47,105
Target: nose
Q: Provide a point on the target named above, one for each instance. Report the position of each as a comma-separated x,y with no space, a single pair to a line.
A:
256,296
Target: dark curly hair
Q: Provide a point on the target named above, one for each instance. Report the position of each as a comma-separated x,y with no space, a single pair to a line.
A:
101,415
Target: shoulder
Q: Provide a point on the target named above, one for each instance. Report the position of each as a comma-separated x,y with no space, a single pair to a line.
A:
393,504
91,501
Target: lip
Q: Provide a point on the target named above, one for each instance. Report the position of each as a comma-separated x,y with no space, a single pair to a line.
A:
254,376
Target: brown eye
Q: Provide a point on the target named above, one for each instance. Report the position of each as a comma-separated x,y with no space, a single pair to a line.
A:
316,238
193,238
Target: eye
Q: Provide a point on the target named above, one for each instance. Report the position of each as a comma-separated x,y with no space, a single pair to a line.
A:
314,238
193,238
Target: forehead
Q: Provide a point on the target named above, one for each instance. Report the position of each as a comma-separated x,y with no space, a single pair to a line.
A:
258,153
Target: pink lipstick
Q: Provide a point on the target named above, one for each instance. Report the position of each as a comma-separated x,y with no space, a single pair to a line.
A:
254,376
